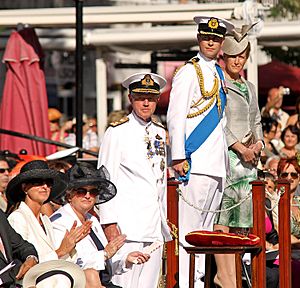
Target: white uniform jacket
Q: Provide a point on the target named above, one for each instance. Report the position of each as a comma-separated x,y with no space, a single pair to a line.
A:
134,154
211,157
88,256
25,223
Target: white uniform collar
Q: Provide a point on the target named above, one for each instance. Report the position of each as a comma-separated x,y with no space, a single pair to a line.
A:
139,120
209,62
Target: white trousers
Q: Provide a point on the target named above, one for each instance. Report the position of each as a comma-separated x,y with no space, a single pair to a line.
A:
143,275
204,192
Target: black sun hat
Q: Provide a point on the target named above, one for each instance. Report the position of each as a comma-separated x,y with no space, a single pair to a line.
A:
84,174
36,169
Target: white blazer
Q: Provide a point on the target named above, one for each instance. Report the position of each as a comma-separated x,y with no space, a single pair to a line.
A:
26,224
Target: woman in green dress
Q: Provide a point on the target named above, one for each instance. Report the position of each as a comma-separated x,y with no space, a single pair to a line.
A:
245,142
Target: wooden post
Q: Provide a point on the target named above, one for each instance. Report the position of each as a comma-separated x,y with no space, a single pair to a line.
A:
172,246
259,229
284,214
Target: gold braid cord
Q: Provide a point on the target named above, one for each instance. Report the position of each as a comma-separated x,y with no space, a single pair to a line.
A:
206,95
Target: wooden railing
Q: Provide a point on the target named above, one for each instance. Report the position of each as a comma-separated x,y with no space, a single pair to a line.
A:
172,246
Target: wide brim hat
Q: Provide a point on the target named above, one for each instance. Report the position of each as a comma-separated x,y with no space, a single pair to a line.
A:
37,169
237,40
145,83
208,25
40,275
84,174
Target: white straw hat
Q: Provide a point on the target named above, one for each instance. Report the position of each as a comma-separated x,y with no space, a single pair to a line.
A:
55,274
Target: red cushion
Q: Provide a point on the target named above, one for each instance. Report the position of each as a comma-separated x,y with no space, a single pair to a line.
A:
216,238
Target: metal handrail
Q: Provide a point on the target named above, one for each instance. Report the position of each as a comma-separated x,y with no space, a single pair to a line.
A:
45,140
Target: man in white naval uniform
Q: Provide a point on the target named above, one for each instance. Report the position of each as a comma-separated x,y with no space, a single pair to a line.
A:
198,146
134,152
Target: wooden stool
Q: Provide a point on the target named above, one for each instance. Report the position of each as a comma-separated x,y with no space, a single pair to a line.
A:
210,250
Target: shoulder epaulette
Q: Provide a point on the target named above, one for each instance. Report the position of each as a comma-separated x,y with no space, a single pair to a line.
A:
157,123
192,60
196,59
121,121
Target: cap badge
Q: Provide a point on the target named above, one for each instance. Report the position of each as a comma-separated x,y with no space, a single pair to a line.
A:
213,23
147,80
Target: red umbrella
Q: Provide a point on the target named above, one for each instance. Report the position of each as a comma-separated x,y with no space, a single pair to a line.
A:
24,103
275,74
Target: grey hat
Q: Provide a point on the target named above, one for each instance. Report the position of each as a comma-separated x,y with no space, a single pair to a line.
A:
237,41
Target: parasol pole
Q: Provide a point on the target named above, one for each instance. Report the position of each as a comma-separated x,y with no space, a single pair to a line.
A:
79,73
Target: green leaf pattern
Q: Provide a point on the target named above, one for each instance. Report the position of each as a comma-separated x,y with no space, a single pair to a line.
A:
237,188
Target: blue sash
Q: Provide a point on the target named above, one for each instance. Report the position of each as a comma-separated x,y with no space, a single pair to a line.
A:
204,128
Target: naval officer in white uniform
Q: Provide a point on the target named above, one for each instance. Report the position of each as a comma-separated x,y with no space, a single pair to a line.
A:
196,124
134,152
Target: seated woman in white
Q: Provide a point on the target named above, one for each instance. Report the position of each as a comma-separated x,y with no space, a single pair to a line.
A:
88,186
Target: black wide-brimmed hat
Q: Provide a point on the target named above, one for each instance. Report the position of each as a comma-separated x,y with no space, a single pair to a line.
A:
36,169
84,174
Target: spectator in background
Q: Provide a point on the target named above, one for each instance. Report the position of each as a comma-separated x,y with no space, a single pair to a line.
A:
54,117
290,138
269,127
90,140
4,178
271,165
295,118
59,165
288,168
273,106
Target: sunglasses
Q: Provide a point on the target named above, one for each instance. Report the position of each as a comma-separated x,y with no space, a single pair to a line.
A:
2,170
294,175
41,182
54,121
82,192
